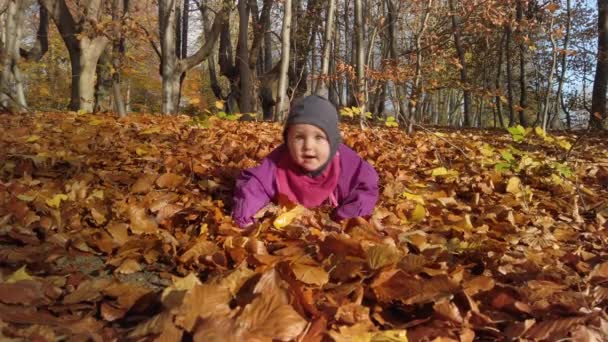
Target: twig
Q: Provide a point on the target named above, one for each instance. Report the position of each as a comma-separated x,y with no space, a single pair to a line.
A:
440,137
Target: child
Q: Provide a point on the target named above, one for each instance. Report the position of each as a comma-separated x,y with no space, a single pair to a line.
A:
312,167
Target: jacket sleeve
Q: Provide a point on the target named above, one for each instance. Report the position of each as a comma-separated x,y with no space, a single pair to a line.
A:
254,189
363,194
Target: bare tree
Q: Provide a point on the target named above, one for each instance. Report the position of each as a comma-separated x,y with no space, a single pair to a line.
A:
327,39
85,45
12,95
172,67
360,53
463,65
285,41
600,82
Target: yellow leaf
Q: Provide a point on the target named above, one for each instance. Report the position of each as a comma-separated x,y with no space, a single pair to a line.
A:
55,202
440,171
539,131
97,194
413,197
308,274
32,138
194,101
219,105
140,151
565,144
487,150
514,185
181,284
26,198
18,275
95,122
286,218
419,213
379,256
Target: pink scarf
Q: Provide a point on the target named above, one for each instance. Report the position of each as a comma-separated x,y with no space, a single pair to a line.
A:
300,188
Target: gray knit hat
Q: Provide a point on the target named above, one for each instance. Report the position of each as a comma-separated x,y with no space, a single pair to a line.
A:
317,111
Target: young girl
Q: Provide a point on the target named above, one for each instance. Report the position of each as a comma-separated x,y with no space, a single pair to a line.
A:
312,167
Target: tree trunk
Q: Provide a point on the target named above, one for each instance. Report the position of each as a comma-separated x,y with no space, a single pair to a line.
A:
545,117
172,67
416,92
600,82
84,48
41,46
321,88
564,64
213,80
11,92
103,83
246,84
119,10
523,91
360,53
267,47
167,16
285,41
463,70
508,32
391,13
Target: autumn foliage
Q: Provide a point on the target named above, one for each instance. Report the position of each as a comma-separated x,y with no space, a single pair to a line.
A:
120,229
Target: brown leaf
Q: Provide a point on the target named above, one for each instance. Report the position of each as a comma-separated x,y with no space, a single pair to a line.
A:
126,294
599,271
553,329
217,329
169,181
144,184
397,285
87,291
309,274
478,284
28,292
119,232
111,313
160,326
269,317
128,266
379,256
141,223
202,248
203,301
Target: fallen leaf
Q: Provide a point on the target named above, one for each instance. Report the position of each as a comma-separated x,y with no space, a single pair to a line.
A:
18,275
129,266
310,274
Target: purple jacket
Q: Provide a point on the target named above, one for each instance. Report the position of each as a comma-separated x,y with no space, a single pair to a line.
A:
356,192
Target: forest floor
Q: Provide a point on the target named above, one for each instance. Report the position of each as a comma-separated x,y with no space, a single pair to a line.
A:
119,229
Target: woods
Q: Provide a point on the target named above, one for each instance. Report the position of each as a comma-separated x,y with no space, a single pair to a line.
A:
448,63
158,181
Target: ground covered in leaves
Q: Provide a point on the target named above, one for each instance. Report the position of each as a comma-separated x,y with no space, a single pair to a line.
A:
119,229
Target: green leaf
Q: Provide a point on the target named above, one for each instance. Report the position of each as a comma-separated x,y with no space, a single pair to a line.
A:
506,155
502,167
391,124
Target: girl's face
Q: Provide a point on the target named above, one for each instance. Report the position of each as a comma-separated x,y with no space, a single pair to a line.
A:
308,146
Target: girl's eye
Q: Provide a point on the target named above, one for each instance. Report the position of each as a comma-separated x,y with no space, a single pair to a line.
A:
320,137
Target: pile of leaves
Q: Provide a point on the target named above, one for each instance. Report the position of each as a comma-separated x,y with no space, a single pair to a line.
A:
120,229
